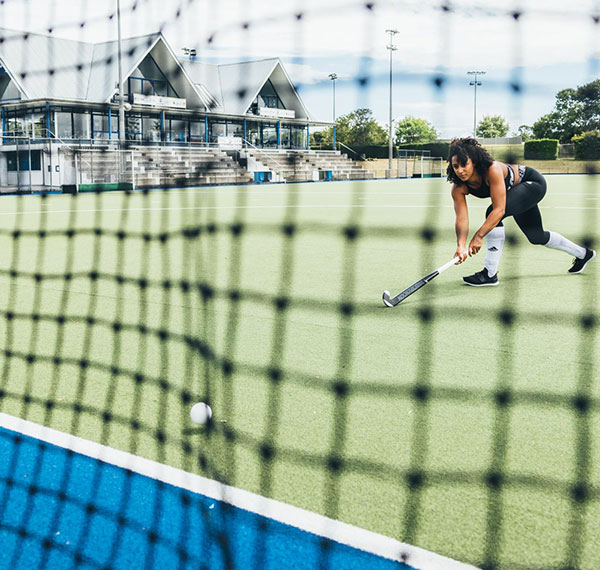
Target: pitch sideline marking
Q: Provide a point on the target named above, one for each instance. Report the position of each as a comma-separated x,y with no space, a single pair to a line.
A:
262,207
302,519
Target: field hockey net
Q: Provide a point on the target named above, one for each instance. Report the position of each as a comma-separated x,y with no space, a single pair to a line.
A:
121,310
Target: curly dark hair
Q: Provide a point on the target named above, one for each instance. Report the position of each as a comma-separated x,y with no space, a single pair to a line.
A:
464,149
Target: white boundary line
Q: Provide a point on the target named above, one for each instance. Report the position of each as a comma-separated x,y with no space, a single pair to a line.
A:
308,521
277,207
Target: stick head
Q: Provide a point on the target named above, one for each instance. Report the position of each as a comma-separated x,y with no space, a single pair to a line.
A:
386,299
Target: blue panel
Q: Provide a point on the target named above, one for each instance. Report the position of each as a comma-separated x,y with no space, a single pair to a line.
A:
63,510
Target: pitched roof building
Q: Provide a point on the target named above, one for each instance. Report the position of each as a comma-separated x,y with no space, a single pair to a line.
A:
65,89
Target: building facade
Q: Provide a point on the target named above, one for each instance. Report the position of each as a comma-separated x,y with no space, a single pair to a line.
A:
68,91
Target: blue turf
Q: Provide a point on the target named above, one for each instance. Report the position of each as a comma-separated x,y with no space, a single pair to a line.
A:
62,510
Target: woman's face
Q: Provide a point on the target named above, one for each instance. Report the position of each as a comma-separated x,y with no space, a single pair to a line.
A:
463,171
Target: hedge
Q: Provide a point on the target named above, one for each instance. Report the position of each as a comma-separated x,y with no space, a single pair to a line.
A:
437,148
382,151
587,145
541,149
369,151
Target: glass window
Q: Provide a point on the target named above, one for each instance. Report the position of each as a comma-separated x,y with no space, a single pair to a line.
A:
268,97
12,127
298,137
253,133
39,126
11,160
151,129
133,127
100,126
197,131
235,129
157,82
81,126
135,85
269,135
64,126
217,130
285,135
177,131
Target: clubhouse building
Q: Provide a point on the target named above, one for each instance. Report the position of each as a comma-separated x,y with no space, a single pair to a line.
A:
68,90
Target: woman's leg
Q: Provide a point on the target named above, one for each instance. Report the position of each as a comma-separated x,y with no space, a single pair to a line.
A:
530,220
520,198
522,204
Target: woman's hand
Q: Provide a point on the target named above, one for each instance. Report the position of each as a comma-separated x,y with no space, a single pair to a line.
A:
475,245
461,253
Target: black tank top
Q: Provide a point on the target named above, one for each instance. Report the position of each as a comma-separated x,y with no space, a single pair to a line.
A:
483,191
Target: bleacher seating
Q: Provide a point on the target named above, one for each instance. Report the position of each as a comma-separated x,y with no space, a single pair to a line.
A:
297,165
176,166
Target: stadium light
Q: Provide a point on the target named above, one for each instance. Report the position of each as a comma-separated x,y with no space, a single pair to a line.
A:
333,77
475,83
190,52
392,48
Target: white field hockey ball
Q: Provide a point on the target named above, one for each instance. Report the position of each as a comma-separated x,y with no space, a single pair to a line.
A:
200,413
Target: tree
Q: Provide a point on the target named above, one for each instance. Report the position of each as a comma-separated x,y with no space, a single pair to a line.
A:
575,111
549,127
322,138
355,129
525,132
492,126
359,128
414,130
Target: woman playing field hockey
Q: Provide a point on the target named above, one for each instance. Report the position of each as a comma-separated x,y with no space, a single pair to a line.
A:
515,191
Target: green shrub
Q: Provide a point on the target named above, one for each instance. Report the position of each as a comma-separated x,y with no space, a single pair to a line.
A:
382,150
541,149
587,145
369,151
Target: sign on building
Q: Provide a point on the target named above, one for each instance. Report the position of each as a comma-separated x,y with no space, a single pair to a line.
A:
277,113
158,101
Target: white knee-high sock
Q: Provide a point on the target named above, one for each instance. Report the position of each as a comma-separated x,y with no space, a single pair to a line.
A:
494,241
557,241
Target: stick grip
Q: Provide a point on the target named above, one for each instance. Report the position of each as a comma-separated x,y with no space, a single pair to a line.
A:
450,263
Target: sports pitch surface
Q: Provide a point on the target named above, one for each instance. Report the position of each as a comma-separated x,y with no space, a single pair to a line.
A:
464,421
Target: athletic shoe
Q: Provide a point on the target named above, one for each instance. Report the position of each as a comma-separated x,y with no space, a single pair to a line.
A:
481,279
579,264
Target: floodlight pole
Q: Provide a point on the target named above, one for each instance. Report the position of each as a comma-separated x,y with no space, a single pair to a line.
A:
121,86
333,77
475,83
392,48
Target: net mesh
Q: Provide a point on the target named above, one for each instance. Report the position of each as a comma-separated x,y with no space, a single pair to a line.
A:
121,310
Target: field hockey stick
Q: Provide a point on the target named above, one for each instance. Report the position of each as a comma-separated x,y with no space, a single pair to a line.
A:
393,301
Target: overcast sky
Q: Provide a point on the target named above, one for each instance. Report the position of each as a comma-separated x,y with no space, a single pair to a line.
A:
552,44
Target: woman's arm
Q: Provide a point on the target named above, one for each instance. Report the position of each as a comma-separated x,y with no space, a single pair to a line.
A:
498,195
461,225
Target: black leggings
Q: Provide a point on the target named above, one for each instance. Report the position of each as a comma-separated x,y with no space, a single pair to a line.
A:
521,203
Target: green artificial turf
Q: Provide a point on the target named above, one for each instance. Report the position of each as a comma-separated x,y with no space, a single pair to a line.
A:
447,422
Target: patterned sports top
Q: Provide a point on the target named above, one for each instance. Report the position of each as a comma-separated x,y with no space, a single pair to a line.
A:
483,191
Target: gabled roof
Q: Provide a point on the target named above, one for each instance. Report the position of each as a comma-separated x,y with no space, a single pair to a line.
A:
104,73
206,79
236,85
46,67
241,82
